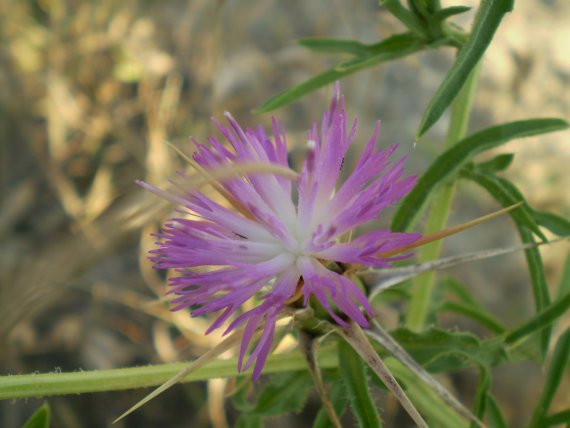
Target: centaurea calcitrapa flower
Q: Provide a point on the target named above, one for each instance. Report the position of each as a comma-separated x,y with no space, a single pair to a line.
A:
272,247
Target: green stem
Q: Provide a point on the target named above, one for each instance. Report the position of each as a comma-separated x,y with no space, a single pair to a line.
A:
440,207
45,384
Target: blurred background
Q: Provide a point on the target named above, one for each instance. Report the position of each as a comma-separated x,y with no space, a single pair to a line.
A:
92,90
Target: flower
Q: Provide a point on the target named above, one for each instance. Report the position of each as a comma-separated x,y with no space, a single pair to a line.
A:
270,246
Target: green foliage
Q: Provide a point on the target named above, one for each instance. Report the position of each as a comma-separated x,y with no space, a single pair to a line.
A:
440,350
445,166
467,306
558,367
394,47
286,393
354,378
40,419
487,20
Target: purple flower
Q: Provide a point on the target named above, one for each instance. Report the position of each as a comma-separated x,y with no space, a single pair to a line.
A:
272,247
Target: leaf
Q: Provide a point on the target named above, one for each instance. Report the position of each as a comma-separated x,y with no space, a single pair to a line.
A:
382,337
359,342
558,366
558,418
494,414
339,401
505,192
498,163
379,280
394,47
353,374
542,320
353,47
445,13
405,17
564,286
556,224
451,161
440,350
487,20
481,395
473,312
436,411
40,419
287,393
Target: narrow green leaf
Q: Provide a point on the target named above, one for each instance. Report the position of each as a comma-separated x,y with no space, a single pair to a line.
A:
558,418
353,372
555,223
541,320
497,164
339,401
475,313
558,366
487,20
494,414
452,160
394,47
40,419
442,14
353,47
457,289
507,193
564,285
405,16
481,395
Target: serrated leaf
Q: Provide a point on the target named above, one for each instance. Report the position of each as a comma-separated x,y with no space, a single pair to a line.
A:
353,373
287,393
441,350
451,161
394,47
558,366
40,419
378,334
487,20
343,46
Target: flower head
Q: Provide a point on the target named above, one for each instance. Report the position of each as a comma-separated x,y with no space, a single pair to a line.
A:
268,245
